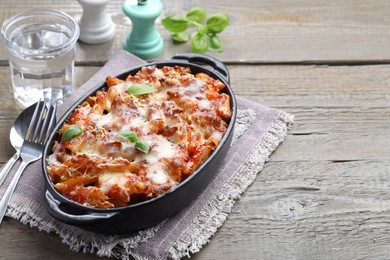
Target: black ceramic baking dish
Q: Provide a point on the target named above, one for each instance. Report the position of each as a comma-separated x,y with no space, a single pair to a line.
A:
147,213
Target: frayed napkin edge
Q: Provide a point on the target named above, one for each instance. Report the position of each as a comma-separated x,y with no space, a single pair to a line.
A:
109,246
101,245
207,223
217,211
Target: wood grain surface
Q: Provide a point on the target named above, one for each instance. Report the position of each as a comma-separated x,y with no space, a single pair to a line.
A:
333,31
325,192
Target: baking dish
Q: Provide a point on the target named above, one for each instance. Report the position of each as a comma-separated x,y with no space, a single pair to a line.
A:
150,212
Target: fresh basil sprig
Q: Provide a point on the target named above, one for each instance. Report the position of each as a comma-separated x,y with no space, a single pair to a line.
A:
71,132
140,89
133,138
205,38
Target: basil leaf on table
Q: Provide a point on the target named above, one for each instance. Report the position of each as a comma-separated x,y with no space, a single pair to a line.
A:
71,132
175,24
199,42
196,14
205,37
180,37
217,22
215,44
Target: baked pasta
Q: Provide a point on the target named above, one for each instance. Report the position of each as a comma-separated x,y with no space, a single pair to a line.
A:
139,137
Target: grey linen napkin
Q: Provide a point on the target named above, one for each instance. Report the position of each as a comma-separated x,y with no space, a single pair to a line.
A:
258,132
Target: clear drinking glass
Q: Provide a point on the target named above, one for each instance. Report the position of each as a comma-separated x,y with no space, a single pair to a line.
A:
41,47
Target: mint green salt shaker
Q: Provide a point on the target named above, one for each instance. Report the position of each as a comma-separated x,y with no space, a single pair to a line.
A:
144,40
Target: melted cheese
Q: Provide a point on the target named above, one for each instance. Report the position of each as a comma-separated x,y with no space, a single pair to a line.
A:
204,104
109,179
102,120
160,148
171,134
158,174
161,95
123,87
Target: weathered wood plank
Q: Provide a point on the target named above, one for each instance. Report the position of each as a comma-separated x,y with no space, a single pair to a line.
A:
22,242
260,31
310,210
314,87
288,87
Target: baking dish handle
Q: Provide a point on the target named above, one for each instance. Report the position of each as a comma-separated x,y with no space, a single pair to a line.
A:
216,64
75,219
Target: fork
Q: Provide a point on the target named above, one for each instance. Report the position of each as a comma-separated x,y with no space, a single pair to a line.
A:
42,122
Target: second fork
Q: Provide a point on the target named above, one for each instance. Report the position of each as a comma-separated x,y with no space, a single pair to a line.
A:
41,125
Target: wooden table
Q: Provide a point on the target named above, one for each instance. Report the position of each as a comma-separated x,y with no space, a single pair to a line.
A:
325,192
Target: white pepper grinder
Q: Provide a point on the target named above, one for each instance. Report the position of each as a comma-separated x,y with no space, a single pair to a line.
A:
95,24
144,40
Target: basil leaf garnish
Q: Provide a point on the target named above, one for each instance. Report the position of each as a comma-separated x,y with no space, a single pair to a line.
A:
133,138
71,132
140,89
129,135
142,146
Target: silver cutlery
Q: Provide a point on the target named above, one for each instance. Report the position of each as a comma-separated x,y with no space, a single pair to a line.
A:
17,134
42,122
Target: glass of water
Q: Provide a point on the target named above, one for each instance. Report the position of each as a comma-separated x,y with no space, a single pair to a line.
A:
41,47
